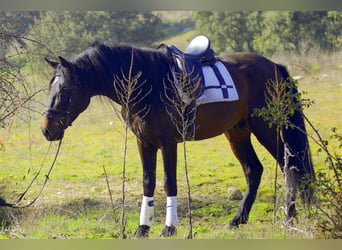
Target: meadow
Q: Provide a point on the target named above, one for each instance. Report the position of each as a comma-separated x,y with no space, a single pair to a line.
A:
76,203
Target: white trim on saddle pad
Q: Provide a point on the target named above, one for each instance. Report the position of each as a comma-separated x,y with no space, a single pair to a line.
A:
219,85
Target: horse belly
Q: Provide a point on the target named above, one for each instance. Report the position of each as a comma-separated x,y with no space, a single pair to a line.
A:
213,119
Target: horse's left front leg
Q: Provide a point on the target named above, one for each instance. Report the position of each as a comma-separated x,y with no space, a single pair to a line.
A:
148,154
169,153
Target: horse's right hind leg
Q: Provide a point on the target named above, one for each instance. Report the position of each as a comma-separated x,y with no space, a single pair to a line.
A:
240,142
267,137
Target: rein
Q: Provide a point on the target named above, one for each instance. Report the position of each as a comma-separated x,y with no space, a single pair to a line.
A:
3,203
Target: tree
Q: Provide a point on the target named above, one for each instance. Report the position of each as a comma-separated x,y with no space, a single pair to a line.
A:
72,31
68,33
334,30
297,31
229,30
271,31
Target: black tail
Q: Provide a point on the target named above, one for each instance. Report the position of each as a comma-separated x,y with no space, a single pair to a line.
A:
300,163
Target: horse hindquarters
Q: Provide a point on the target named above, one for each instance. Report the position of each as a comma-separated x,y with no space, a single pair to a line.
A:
299,164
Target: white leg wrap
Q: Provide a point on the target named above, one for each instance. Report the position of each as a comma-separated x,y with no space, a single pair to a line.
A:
147,211
171,211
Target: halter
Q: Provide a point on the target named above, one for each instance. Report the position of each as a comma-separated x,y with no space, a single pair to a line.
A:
49,112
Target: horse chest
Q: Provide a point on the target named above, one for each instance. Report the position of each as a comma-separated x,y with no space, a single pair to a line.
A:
142,129
138,126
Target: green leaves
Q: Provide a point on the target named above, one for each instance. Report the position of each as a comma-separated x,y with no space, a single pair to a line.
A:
267,32
281,103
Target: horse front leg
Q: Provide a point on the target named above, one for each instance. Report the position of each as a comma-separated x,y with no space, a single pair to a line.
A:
169,153
148,155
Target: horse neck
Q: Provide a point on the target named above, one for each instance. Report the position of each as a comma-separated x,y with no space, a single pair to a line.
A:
111,77
99,77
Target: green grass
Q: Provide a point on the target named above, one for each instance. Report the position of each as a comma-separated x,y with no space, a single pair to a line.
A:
75,202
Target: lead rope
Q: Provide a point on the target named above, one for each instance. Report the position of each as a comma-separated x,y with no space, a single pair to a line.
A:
3,203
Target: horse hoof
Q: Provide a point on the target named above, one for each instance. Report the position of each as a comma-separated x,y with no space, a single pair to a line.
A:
142,232
234,223
168,232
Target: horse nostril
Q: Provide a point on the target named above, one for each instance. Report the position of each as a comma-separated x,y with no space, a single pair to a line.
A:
46,133
52,133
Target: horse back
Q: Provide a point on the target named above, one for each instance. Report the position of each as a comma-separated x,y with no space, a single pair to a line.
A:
251,73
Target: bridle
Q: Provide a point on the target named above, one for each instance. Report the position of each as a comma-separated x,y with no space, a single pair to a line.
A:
65,120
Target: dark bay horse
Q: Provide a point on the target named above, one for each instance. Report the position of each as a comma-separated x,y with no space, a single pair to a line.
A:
93,73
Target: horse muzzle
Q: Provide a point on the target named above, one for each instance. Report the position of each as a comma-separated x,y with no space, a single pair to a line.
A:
53,130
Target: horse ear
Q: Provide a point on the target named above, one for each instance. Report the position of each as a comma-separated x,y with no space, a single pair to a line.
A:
65,63
51,63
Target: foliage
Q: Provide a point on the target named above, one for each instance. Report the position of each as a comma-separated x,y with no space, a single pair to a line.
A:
13,90
14,27
272,31
328,187
234,30
72,31
69,32
282,102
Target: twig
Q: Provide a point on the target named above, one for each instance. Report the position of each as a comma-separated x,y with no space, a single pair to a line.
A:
179,99
129,91
109,191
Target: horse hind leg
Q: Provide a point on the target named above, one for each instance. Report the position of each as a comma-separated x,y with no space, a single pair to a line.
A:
240,142
271,140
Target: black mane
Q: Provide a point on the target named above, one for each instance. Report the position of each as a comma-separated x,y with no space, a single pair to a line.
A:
98,65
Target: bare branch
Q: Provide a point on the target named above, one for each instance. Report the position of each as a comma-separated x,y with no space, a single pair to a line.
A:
130,93
179,97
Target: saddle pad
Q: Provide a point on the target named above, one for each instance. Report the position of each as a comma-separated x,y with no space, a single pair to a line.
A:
219,85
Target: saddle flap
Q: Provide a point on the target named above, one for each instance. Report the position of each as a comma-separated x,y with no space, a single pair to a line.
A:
191,62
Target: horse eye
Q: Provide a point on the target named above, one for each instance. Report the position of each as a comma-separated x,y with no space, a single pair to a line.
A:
52,80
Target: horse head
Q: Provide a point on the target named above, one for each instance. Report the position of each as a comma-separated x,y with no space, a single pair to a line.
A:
67,99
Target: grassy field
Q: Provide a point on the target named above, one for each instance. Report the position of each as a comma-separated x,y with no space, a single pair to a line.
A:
76,203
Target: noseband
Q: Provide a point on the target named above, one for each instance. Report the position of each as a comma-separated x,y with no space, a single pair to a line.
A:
65,115
50,112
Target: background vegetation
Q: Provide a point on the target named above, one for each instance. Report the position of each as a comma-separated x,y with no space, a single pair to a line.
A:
269,32
76,203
